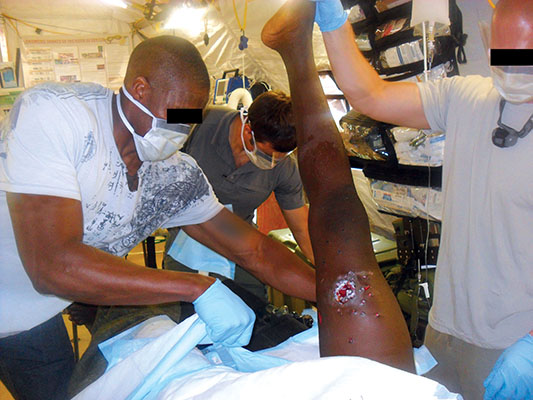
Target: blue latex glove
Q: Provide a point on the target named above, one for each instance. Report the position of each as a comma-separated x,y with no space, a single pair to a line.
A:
229,321
329,15
512,375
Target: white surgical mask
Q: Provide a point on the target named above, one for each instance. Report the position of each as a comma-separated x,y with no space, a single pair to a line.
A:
515,84
260,159
161,141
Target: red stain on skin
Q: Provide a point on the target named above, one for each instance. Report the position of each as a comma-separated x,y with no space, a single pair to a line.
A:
344,291
319,318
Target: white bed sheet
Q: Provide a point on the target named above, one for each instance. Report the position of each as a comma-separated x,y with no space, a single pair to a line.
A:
158,360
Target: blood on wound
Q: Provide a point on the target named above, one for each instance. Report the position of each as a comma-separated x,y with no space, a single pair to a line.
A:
345,291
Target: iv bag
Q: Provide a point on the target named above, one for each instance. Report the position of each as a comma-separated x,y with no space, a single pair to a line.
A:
431,11
436,12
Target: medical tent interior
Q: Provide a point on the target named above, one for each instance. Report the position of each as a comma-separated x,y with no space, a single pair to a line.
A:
91,40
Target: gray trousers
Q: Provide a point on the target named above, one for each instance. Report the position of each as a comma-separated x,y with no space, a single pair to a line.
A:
462,366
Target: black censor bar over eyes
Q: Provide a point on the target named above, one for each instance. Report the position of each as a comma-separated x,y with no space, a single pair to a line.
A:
184,116
511,57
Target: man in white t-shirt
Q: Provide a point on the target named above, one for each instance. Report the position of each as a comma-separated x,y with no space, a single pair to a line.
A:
483,300
85,175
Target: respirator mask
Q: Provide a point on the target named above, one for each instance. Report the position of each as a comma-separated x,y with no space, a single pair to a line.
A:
514,83
161,141
260,159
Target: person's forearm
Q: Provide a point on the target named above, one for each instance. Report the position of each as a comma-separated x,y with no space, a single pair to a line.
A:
85,274
265,258
297,221
304,242
397,103
354,75
282,269
49,233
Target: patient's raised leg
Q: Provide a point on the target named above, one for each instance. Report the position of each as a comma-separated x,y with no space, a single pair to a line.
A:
358,313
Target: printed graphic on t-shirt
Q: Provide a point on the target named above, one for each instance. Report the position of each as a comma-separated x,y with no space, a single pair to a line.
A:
120,219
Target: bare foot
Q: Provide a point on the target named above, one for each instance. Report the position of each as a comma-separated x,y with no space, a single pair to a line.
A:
292,24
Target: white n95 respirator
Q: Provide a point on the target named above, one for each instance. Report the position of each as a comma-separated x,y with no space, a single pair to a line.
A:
161,141
514,82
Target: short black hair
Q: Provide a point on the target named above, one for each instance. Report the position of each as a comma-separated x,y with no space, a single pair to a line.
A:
167,60
272,121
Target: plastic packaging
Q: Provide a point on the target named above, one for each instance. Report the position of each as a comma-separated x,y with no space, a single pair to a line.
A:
391,27
363,137
384,5
435,30
363,42
411,201
403,54
356,14
418,147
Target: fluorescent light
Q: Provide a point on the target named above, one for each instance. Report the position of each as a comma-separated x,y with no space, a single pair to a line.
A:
116,3
187,19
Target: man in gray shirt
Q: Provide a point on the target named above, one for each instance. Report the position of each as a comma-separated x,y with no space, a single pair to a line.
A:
245,156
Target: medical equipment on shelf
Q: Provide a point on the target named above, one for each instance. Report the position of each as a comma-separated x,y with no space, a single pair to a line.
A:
364,137
240,98
418,147
226,85
407,200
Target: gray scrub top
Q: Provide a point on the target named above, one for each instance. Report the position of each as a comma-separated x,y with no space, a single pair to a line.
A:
247,187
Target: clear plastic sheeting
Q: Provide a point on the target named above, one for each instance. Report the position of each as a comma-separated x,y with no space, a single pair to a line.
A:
410,201
418,147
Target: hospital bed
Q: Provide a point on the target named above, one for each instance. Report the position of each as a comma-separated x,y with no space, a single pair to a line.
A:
159,359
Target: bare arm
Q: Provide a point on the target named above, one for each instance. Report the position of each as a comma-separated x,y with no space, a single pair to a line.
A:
265,258
397,103
297,220
58,263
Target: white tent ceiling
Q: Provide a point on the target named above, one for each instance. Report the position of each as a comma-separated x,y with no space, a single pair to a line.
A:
93,17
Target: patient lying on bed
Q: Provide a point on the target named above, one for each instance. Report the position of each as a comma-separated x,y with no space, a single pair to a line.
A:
358,315
159,360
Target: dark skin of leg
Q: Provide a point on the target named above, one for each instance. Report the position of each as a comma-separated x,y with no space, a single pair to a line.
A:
358,313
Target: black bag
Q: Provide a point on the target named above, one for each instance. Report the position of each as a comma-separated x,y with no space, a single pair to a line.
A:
445,45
